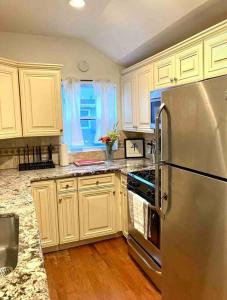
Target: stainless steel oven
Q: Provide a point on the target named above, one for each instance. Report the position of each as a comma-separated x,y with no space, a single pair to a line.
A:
146,251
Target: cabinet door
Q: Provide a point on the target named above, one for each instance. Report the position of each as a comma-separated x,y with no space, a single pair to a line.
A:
41,102
164,71
215,55
10,115
128,102
68,217
96,213
189,64
124,210
44,197
143,89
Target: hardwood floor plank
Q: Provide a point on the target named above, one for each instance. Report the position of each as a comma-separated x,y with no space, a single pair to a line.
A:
100,271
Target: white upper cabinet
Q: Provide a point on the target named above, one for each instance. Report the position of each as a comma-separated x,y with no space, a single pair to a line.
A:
136,87
183,67
143,89
10,115
128,102
164,71
40,101
215,54
189,64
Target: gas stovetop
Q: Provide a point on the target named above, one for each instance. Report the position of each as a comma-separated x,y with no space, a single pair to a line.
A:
143,184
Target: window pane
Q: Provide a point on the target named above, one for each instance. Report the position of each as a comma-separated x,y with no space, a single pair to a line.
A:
88,130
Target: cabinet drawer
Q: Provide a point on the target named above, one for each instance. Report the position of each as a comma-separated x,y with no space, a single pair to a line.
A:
124,180
68,184
96,181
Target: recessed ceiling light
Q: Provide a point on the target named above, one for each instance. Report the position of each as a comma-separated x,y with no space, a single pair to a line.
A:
77,3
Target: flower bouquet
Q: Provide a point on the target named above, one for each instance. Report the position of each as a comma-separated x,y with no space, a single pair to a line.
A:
110,139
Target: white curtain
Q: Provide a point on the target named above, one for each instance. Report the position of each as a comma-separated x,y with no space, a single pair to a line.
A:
106,110
71,113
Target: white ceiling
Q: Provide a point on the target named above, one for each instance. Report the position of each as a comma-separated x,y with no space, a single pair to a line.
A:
125,30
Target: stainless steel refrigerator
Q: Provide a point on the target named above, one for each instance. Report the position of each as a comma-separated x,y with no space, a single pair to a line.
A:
193,192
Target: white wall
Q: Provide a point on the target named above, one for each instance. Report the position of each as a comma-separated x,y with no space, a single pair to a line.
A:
60,50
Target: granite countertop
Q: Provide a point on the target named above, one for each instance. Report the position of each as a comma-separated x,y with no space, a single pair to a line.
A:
28,280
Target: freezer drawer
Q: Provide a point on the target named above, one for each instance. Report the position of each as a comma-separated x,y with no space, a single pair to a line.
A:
194,236
194,129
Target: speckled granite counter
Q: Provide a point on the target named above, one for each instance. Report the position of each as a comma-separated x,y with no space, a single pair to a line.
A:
28,280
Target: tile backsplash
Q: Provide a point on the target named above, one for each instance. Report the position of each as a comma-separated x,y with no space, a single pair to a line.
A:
9,157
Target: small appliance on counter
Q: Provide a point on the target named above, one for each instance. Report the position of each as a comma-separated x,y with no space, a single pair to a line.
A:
31,158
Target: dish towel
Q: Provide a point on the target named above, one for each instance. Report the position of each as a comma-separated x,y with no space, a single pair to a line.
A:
138,209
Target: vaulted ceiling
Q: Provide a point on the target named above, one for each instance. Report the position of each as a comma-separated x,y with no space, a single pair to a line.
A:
125,30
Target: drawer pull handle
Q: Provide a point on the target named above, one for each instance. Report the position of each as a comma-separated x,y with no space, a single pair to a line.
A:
97,182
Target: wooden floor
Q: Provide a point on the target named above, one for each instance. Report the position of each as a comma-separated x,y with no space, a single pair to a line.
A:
98,271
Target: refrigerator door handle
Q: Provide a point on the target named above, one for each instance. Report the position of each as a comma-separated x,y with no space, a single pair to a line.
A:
157,160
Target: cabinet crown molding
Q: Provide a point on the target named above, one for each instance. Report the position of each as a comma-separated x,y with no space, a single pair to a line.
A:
21,65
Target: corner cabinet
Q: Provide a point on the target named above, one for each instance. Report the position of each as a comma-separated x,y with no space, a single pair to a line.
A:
40,101
30,99
44,197
136,87
10,114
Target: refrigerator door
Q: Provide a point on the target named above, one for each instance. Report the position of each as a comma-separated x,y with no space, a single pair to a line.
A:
194,129
194,236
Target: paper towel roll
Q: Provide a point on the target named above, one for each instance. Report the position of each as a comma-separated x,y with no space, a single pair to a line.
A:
64,157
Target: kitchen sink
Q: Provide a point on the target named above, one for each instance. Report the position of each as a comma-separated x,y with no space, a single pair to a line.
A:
9,236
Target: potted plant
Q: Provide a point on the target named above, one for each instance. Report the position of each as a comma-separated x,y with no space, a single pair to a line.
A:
110,139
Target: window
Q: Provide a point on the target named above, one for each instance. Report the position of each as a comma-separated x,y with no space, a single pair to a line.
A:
89,112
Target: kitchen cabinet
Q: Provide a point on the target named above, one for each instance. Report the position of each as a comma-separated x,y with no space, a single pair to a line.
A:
128,102
185,66
10,114
40,101
136,87
44,197
124,205
164,70
144,85
68,217
189,64
96,212
215,54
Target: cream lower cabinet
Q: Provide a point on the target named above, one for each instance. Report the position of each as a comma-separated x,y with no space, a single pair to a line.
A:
68,217
97,212
124,205
44,197
215,54
40,101
10,114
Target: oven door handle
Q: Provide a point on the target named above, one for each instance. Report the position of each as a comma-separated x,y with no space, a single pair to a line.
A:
144,261
158,161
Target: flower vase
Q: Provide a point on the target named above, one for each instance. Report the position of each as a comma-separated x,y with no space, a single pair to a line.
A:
109,151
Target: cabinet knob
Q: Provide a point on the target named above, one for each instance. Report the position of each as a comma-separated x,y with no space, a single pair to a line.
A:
171,80
175,79
60,200
97,182
67,186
